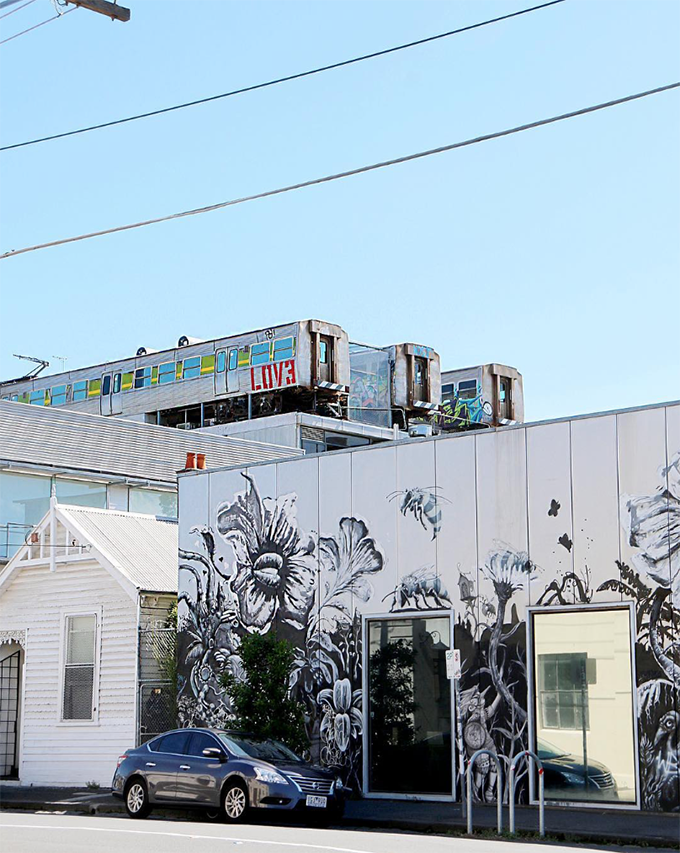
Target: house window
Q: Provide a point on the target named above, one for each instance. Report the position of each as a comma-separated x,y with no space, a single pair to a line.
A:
80,638
583,691
563,691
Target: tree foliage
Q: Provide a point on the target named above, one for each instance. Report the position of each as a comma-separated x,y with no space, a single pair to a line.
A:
261,701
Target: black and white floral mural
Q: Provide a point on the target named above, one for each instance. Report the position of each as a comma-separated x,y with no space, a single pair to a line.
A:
285,579
251,567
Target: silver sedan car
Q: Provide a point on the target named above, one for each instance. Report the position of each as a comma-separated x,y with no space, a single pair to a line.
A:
225,773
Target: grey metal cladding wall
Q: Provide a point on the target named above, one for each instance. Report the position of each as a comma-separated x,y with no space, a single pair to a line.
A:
67,439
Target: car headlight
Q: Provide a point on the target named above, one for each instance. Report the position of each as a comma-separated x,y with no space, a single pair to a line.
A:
264,774
338,784
573,778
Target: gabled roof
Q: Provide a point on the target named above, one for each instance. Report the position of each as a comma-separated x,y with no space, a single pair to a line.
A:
139,551
116,446
142,547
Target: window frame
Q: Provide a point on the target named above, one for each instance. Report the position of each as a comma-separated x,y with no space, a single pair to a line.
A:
187,365
65,614
457,782
260,353
532,697
163,374
460,391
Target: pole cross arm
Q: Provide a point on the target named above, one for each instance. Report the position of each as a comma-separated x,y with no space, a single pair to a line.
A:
529,755
111,10
499,788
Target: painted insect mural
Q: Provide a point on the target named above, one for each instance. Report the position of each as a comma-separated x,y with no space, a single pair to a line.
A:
424,503
422,589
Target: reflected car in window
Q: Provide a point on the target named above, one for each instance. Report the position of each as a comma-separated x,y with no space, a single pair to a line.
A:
225,773
565,776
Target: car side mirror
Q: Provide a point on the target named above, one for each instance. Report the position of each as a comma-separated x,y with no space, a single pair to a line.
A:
214,752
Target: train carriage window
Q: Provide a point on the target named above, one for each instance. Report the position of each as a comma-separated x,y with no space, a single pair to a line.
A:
207,364
323,352
79,391
59,395
127,381
467,389
142,377
94,387
420,389
106,385
192,367
37,398
166,372
233,359
259,353
116,383
222,361
284,348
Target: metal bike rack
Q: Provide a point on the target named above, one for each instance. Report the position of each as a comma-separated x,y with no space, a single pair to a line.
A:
528,754
499,788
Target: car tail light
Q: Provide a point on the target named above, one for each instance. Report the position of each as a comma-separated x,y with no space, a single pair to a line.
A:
121,759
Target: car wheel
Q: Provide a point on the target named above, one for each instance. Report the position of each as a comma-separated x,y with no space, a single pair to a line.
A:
235,802
137,799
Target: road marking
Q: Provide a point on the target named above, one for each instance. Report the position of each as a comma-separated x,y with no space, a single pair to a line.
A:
295,844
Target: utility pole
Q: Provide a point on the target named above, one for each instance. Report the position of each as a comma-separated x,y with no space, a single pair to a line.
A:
103,7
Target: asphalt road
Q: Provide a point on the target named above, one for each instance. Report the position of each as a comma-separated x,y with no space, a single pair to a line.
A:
27,832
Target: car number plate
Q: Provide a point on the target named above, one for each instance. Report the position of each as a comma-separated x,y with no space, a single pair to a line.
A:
317,802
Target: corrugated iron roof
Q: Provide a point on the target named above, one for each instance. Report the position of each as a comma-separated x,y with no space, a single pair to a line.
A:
117,446
141,547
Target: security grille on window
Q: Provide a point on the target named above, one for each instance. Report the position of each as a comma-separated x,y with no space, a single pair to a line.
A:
79,666
563,689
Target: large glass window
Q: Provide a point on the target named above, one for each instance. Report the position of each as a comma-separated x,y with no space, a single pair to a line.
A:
24,500
153,502
409,706
81,493
583,703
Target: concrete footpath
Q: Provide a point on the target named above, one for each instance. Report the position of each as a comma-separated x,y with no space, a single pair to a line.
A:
594,825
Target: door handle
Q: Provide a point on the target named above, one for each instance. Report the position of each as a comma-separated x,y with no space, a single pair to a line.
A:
150,763
184,767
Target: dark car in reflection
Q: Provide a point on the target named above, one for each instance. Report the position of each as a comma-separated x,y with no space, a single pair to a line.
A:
227,774
566,778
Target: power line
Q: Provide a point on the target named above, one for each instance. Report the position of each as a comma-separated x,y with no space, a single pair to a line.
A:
287,79
35,27
337,176
7,14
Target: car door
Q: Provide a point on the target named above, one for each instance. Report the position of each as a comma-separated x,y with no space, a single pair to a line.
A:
162,765
199,778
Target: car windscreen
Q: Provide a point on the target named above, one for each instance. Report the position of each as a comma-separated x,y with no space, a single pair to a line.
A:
546,750
243,746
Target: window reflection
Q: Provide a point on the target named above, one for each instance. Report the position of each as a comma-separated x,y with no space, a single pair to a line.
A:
153,502
409,706
584,704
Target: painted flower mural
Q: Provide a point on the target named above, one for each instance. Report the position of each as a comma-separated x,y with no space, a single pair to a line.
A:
275,568
341,720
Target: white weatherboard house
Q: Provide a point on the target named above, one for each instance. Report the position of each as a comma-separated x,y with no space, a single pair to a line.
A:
72,602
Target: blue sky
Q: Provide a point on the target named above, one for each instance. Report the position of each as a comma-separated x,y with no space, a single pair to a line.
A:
555,250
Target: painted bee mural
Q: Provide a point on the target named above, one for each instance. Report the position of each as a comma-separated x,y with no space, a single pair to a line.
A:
424,503
422,589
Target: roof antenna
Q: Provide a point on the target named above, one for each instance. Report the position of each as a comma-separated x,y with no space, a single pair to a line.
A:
41,364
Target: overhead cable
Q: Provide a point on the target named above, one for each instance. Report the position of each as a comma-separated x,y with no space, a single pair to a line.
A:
35,27
337,176
286,79
7,14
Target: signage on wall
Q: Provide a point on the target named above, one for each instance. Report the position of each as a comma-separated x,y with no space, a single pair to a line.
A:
453,664
270,376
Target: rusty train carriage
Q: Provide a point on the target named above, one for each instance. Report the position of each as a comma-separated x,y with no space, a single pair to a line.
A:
301,366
